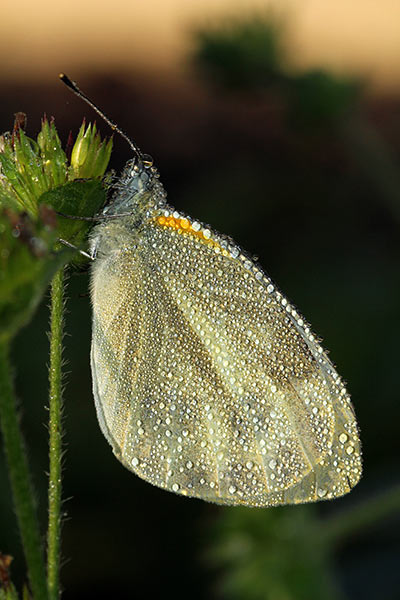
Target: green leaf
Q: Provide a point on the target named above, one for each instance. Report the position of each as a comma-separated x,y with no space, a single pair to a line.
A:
79,198
27,263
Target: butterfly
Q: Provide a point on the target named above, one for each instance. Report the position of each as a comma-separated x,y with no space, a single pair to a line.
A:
206,379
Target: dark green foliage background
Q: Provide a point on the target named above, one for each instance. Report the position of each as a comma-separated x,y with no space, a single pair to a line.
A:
303,170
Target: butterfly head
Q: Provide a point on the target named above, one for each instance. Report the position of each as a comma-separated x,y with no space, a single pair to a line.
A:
138,189
140,174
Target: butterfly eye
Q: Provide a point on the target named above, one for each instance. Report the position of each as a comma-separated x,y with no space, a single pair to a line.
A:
147,161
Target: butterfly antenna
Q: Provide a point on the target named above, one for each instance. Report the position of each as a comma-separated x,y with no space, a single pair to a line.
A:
73,86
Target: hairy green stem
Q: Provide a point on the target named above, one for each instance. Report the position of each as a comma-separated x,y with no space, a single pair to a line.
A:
359,517
55,436
20,480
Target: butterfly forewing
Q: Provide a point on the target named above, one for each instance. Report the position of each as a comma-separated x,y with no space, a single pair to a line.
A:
206,381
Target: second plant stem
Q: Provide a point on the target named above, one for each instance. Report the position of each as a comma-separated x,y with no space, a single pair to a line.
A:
25,505
55,436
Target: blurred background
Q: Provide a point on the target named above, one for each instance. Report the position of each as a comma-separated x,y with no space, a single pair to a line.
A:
279,124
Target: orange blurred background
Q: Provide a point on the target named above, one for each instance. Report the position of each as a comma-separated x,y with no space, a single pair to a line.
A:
40,38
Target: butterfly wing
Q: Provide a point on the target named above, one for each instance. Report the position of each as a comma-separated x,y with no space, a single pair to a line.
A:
207,382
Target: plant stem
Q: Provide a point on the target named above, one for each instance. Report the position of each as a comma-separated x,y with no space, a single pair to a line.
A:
55,436
359,517
20,480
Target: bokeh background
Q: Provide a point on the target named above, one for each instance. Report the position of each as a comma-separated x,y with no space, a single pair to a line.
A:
279,124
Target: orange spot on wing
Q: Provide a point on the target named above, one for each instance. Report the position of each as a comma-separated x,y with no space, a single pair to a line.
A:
184,226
